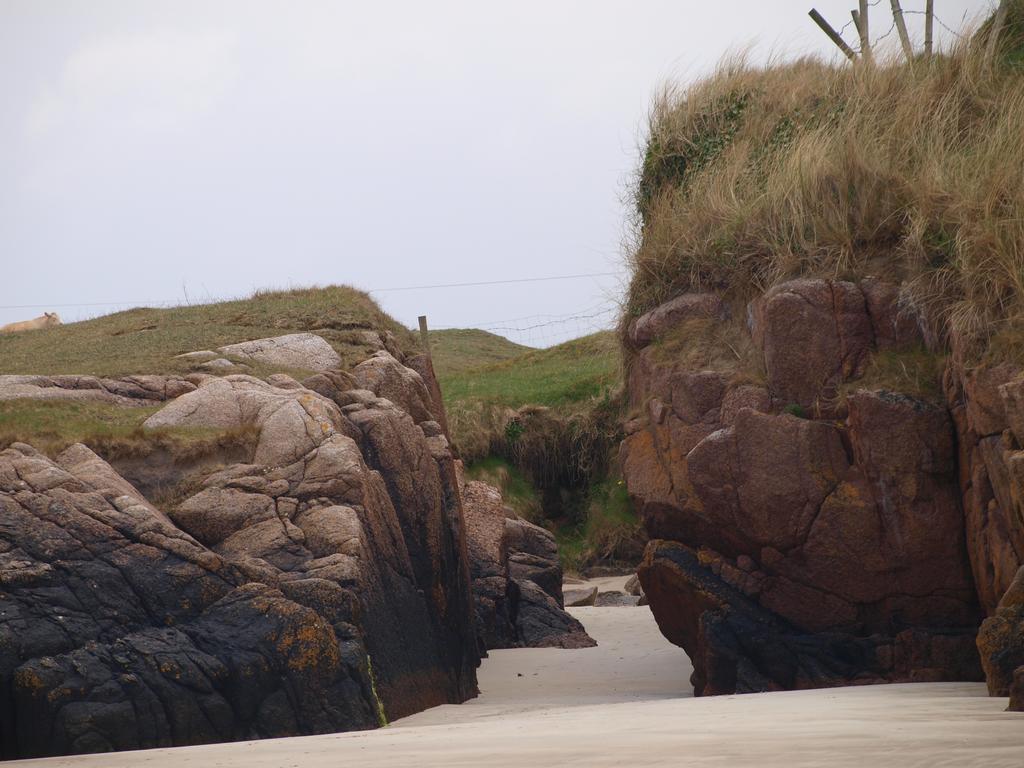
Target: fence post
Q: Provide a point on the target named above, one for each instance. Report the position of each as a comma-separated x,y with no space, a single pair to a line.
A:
832,34
424,336
929,21
861,21
901,27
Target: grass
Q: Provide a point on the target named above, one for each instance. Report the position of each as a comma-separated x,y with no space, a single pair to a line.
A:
516,490
569,379
916,372
610,530
146,340
460,349
542,427
910,173
112,431
564,375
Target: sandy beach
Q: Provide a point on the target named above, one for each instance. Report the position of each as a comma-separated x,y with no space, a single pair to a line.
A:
626,703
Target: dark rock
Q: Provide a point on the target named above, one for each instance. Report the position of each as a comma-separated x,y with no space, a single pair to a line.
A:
577,598
256,610
514,566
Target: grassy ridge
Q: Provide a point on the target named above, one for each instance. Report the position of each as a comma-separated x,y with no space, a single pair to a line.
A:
564,375
912,173
456,350
146,340
542,426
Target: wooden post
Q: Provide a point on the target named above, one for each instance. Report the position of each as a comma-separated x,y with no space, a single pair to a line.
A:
424,336
861,20
994,32
832,34
929,23
901,27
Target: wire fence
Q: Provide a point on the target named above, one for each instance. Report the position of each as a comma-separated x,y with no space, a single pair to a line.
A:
548,330
538,330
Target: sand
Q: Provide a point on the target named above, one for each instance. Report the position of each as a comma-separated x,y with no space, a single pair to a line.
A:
626,703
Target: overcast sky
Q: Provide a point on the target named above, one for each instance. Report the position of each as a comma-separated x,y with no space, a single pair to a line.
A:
153,150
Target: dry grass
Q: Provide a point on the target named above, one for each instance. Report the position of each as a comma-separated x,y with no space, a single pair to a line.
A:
146,340
112,431
915,174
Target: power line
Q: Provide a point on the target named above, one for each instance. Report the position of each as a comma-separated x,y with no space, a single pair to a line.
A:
495,282
371,290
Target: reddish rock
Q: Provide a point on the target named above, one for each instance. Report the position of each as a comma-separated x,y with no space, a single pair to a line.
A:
896,323
1001,640
671,314
986,395
1017,691
815,334
815,529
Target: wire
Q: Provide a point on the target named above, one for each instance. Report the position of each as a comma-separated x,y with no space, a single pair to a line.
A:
495,282
371,290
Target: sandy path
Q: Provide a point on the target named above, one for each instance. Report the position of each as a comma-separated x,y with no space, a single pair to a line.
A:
619,705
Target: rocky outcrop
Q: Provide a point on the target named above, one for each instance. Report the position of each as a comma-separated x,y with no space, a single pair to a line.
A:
1001,642
120,631
988,412
516,577
126,391
304,351
322,587
806,532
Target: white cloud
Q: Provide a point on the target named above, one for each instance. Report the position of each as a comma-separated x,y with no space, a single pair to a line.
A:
154,81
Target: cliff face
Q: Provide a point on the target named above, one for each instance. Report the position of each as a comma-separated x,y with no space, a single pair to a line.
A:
812,522
322,586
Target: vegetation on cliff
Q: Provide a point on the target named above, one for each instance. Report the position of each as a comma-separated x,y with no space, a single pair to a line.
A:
907,173
543,425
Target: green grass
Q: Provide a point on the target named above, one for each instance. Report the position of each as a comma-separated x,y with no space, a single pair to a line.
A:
112,431
567,374
461,349
146,340
516,490
610,530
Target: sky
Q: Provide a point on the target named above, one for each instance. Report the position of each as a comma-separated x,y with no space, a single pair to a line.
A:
159,153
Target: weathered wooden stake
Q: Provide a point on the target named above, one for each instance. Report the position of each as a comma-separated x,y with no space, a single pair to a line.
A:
929,21
832,34
901,27
861,20
424,336
997,28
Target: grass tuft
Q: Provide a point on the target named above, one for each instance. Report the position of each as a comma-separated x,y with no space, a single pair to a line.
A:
909,173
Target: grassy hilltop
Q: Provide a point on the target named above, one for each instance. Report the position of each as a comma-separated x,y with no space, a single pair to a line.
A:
146,340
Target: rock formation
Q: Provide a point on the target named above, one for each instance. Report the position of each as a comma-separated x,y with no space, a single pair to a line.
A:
516,577
305,351
321,586
809,528
125,391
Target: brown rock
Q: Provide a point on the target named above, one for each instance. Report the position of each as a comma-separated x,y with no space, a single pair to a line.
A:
895,322
815,334
663,318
